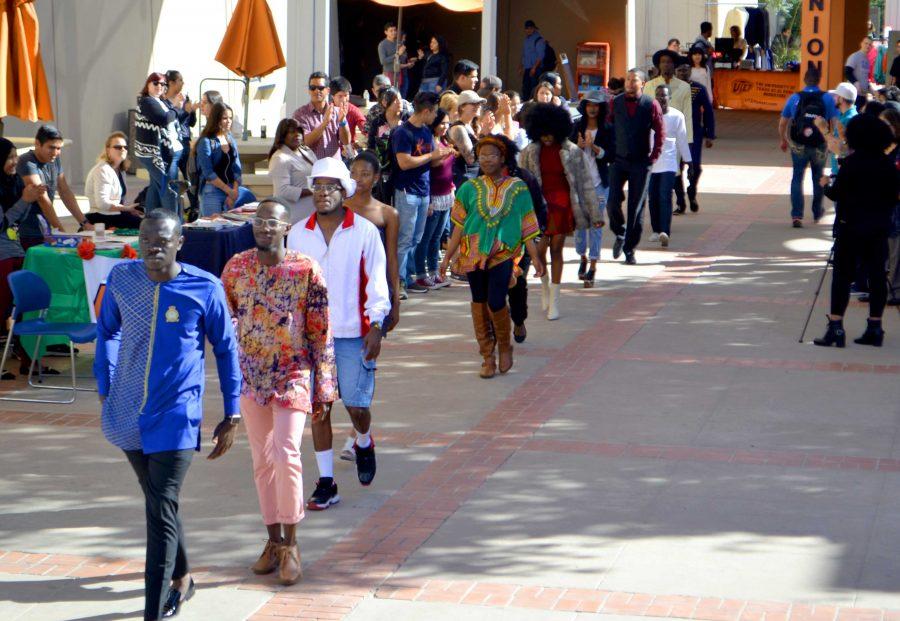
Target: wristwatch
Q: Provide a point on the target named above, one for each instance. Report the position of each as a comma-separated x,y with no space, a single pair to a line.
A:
234,420
376,324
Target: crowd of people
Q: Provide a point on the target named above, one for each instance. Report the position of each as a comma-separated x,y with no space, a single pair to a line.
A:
461,180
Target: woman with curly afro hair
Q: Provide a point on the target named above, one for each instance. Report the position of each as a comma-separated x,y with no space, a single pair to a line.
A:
562,169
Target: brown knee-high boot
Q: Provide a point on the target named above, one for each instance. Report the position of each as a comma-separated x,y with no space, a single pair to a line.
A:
502,332
482,322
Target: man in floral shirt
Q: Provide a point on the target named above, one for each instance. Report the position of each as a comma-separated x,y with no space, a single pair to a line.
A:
280,308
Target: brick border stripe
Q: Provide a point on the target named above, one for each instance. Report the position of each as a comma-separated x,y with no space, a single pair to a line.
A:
621,603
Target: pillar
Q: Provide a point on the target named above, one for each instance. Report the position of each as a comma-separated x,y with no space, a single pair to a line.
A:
308,47
831,31
489,37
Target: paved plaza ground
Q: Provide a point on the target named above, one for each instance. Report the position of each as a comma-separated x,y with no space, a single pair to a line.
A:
666,449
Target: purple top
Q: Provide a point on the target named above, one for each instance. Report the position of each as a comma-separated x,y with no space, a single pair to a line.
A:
442,176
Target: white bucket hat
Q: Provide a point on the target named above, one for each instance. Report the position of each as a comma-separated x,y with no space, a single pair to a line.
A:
331,168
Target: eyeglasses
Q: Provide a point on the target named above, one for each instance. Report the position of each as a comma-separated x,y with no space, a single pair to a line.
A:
490,156
164,84
268,223
325,188
317,88
119,147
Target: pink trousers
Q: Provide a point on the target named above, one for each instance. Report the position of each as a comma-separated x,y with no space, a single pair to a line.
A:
275,433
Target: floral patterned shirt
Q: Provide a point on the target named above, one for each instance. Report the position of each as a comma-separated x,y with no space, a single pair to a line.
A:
280,314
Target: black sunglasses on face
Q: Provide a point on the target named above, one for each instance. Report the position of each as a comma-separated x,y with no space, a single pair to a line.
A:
166,84
119,147
317,88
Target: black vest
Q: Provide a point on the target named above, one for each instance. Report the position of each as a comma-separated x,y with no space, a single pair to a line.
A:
633,132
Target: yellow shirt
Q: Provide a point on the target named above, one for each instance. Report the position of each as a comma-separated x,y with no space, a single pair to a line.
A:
680,92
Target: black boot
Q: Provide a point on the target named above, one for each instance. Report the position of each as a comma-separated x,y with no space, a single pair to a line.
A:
873,335
834,336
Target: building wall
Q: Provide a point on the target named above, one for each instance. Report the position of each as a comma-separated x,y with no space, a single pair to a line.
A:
92,52
565,24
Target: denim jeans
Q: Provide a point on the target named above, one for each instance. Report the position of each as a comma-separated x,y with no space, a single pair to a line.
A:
413,211
212,199
660,198
427,250
429,85
587,241
161,192
801,157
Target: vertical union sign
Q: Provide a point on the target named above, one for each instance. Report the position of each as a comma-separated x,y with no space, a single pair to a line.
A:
816,24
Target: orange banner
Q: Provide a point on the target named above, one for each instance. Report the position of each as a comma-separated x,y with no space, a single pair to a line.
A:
753,90
814,33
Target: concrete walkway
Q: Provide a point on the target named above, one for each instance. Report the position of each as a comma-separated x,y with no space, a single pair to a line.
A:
666,449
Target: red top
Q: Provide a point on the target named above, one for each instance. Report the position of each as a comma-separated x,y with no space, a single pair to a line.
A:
553,178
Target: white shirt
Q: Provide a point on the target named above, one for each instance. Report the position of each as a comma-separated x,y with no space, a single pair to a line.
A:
700,75
355,269
103,189
290,172
675,144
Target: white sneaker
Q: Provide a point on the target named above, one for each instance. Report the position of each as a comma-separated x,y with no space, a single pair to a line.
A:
347,453
664,240
654,237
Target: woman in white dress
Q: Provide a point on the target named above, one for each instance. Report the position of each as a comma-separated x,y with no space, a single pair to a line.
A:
290,164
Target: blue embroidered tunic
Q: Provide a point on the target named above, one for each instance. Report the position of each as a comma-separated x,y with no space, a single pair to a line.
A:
151,353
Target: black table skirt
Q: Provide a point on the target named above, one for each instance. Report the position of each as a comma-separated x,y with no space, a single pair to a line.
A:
210,249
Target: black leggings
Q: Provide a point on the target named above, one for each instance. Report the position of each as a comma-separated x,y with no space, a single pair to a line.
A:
491,285
518,294
871,251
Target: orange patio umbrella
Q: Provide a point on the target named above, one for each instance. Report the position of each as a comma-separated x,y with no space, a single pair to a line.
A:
473,6
250,46
22,76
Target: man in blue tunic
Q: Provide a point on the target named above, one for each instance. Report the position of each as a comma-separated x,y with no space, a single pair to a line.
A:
154,320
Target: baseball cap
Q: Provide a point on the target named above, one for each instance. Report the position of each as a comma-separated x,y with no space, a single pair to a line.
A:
845,90
468,97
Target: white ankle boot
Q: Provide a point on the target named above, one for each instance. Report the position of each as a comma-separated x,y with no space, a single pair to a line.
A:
553,307
545,292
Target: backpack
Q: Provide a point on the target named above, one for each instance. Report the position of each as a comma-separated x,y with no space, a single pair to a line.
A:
803,129
549,62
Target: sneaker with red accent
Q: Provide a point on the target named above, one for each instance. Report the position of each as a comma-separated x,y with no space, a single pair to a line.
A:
426,282
440,283
326,494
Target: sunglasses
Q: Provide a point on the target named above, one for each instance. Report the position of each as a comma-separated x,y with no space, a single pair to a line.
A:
119,147
317,88
326,188
155,83
269,223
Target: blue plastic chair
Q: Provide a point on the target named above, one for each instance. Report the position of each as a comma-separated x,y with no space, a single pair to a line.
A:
32,294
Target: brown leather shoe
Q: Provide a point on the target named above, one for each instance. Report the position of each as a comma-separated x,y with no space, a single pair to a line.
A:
268,560
485,337
289,571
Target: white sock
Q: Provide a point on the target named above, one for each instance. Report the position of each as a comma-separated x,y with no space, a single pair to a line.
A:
325,461
363,440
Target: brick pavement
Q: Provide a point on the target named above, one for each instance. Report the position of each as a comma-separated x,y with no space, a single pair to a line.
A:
365,561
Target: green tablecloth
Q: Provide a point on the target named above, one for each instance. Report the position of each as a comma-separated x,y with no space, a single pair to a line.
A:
62,269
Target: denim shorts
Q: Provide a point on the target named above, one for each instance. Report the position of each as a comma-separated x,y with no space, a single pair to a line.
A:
356,375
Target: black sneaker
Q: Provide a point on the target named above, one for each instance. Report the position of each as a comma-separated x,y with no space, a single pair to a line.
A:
797,223
365,462
617,247
326,494
695,206
582,268
629,259
417,287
